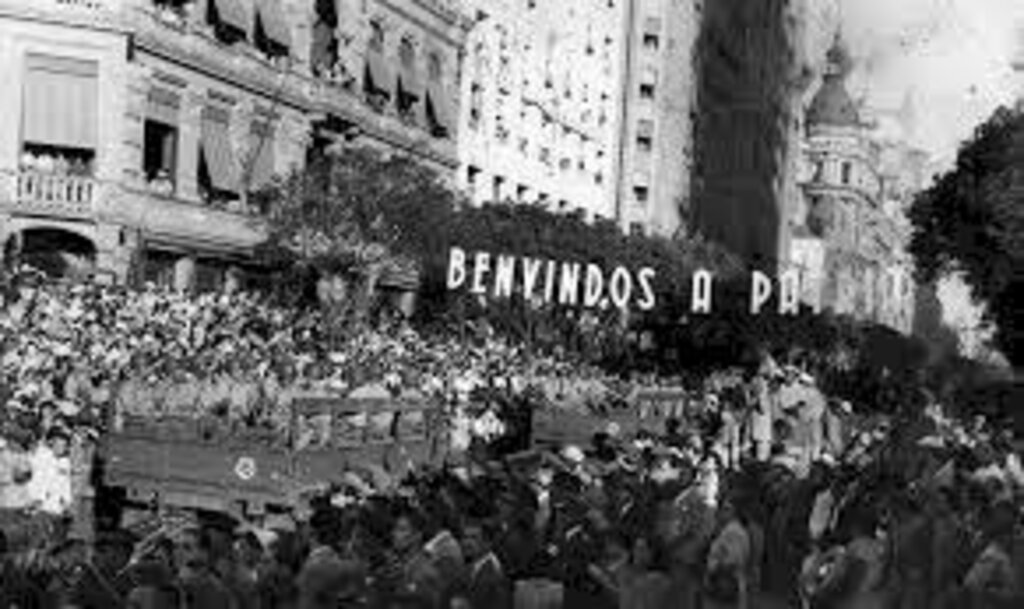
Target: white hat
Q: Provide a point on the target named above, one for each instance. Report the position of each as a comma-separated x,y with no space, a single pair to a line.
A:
573,454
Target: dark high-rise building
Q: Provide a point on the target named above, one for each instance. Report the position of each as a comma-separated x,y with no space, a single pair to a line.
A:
748,76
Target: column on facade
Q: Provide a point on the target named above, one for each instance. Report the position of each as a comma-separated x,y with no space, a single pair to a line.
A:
134,125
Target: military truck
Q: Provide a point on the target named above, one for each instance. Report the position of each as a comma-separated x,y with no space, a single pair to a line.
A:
185,463
646,409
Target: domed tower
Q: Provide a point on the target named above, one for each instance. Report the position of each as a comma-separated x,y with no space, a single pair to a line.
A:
840,187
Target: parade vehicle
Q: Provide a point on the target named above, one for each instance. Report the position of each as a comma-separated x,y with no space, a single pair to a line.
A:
199,464
646,409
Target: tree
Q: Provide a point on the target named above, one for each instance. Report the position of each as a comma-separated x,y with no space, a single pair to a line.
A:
972,220
349,214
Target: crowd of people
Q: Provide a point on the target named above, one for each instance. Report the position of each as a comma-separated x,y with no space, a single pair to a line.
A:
762,490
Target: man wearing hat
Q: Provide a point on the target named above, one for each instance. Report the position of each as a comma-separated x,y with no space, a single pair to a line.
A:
487,586
99,582
323,575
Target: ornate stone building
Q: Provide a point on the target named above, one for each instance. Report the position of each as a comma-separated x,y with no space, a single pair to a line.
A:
142,125
850,232
581,106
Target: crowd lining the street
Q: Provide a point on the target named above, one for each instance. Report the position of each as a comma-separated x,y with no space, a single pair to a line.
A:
763,489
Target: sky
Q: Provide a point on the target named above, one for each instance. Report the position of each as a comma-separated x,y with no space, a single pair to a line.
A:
954,56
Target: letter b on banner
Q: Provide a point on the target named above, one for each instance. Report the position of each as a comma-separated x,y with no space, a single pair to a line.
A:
456,268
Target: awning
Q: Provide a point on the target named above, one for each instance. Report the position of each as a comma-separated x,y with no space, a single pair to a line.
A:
272,18
60,102
437,107
378,73
409,83
233,13
262,159
216,150
163,106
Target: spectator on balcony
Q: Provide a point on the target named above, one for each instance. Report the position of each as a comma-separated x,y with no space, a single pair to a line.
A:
29,162
61,166
45,164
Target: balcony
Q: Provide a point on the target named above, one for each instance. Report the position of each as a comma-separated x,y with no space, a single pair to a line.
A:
52,195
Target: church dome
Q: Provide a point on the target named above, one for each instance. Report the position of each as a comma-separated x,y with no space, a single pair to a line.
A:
832,104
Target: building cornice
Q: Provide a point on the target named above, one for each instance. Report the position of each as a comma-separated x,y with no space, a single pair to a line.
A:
90,19
445,14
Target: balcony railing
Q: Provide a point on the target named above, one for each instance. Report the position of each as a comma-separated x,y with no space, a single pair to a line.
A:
55,195
93,5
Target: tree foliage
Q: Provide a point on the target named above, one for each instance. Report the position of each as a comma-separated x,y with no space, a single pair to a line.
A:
972,220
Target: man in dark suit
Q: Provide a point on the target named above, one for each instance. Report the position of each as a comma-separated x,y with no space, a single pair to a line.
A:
487,587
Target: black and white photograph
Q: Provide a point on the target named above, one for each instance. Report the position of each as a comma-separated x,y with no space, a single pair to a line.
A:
512,304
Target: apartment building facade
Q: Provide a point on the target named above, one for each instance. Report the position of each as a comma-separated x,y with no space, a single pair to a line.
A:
144,125
657,131
542,104
581,106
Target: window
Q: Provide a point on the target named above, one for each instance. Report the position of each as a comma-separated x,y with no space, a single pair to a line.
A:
497,189
521,192
160,155
651,42
645,136
476,102
59,118
819,170
472,177
647,91
847,173
641,194
409,89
